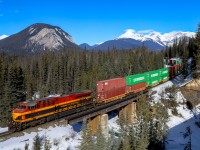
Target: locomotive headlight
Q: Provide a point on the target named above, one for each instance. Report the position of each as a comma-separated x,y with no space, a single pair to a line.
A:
16,116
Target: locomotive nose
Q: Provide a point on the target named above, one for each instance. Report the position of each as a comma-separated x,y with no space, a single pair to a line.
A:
15,115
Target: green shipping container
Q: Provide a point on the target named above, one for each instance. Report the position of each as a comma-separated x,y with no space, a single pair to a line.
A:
164,71
164,77
153,81
135,79
178,61
152,74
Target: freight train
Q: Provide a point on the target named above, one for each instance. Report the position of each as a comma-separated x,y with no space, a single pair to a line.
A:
31,113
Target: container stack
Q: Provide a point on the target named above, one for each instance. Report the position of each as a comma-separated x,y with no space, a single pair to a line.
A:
153,77
135,83
110,88
164,74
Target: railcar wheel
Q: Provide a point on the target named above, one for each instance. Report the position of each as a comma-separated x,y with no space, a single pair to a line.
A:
24,126
18,127
42,121
33,123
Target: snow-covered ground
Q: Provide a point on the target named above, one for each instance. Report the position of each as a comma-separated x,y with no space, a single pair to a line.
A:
65,136
178,124
69,135
3,129
178,82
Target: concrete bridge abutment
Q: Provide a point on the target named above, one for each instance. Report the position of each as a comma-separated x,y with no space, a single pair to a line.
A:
129,113
99,121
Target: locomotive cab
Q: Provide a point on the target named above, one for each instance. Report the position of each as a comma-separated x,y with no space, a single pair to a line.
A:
23,107
16,114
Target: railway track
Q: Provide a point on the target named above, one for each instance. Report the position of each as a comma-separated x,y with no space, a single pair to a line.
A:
6,133
103,109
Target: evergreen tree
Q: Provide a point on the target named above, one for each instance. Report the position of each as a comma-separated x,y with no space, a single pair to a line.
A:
196,74
47,144
143,113
100,139
26,146
143,136
13,89
158,124
191,47
126,144
185,62
87,142
122,122
132,137
36,143
111,141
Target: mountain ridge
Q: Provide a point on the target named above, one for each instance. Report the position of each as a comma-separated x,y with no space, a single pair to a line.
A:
165,39
149,38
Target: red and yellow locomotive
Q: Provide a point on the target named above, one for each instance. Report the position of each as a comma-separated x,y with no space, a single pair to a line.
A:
31,113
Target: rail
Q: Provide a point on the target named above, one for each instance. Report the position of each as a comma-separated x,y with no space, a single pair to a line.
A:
6,133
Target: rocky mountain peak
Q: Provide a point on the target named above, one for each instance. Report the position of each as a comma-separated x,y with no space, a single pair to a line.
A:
45,30
37,38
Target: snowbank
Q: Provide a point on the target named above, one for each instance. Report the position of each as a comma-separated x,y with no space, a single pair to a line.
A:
3,129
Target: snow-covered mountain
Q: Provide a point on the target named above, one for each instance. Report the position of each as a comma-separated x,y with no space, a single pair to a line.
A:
133,39
3,36
165,39
37,38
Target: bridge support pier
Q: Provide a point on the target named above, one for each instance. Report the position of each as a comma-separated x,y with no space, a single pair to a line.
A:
102,121
129,113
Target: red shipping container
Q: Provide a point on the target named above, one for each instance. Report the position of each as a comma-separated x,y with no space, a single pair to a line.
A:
110,88
176,69
111,93
136,88
172,71
107,85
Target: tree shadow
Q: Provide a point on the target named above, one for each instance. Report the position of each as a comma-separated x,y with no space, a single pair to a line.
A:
77,126
176,141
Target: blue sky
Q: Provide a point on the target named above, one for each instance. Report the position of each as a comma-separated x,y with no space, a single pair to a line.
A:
94,21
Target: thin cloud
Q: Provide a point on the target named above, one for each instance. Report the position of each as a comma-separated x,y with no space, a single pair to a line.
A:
130,30
146,31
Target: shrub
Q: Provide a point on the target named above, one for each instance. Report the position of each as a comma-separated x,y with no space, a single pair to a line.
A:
189,105
56,142
175,112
